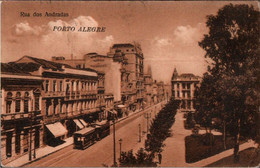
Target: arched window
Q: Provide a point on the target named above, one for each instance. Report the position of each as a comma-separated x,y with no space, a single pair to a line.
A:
26,102
36,94
18,102
9,102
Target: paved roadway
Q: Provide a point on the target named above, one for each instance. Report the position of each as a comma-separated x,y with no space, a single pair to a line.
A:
101,152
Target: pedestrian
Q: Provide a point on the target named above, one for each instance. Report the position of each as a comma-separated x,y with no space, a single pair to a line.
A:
160,157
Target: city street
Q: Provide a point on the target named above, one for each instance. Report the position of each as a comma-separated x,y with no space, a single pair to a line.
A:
101,153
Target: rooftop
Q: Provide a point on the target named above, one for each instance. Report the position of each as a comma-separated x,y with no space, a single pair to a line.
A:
123,45
45,64
12,68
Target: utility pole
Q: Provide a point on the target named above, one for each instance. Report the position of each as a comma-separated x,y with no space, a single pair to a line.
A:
32,118
147,116
30,145
139,125
114,139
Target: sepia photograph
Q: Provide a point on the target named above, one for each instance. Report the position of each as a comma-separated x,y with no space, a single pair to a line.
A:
130,83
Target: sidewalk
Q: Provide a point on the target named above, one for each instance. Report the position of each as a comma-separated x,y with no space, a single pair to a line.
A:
212,159
40,153
174,151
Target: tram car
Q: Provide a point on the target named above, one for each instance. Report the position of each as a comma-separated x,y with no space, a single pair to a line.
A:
84,138
89,135
102,129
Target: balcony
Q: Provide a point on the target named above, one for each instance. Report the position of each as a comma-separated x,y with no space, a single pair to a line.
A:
54,94
20,115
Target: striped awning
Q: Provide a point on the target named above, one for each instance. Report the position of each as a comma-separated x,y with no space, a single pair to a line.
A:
78,123
57,129
83,122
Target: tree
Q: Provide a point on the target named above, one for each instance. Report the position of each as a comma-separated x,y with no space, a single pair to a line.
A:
140,159
229,89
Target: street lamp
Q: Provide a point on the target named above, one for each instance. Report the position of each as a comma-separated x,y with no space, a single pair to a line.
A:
147,116
120,149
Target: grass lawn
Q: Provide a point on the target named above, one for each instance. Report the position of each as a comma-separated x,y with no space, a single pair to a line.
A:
195,148
248,158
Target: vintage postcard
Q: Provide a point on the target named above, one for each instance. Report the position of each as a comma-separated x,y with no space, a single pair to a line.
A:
130,84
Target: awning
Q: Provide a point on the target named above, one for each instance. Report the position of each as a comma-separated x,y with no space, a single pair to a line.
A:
78,123
121,106
57,129
83,122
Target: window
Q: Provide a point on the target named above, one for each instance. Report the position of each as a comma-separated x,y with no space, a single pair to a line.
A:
17,143
47,108
72,85
68,88
18,102
189,104
178,85
9,102
183,85
188,86
37,102
188,94
82,85
77,86
8,106
183,94
60,85
178,94
54,85
54,107
47,85
67,107
26,102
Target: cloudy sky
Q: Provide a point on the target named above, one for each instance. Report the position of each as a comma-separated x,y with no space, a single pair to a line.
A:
167,31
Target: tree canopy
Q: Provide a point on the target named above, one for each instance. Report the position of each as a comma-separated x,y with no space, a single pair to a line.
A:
229,90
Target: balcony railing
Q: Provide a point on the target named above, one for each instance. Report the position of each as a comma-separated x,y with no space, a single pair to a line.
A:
21,115
54,94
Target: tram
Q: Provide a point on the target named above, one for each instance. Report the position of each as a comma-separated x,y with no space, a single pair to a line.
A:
102,129
89,135
84,138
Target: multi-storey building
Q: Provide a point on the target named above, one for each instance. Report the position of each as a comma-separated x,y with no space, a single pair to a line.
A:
155,92
21,117
161,91
131,57
183,87
148,83
103,66
49,99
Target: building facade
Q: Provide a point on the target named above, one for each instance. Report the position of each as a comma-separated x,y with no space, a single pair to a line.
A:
183,87
148,83
45,102
21,126
132,73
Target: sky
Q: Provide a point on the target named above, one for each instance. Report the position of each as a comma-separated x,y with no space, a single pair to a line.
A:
168,32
